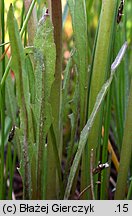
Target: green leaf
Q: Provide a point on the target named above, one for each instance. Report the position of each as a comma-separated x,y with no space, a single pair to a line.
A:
11,102
86,130
84,136
45,55
3,44
31,77
99,73
22,91
65,99
7,130
44,70
126,153
78,13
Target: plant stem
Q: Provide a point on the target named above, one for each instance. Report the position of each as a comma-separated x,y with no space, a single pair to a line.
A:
55,11
57,23
27,17
32,23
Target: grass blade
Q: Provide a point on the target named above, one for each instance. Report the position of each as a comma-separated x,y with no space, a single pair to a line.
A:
86,130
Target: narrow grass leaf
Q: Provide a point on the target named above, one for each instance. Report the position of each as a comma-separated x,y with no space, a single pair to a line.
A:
3,44
85,132
100,69
119,57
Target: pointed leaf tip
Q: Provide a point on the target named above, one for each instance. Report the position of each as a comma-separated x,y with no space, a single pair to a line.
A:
11,7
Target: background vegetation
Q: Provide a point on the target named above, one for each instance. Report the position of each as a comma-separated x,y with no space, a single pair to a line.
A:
65,99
